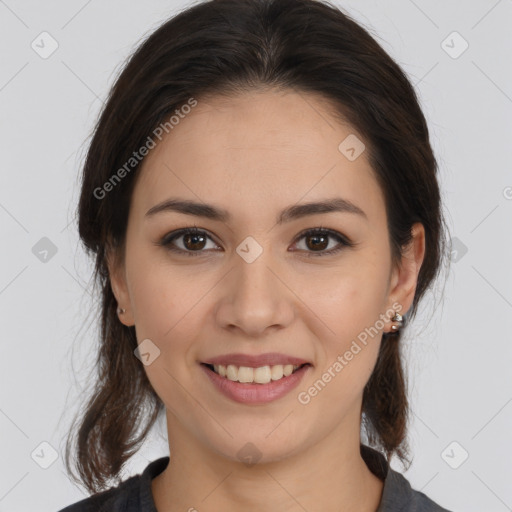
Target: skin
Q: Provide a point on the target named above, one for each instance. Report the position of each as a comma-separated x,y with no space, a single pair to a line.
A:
254,155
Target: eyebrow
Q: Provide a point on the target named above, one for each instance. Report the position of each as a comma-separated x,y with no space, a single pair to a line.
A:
188,207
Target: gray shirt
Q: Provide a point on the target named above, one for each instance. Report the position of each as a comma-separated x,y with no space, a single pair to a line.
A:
134,494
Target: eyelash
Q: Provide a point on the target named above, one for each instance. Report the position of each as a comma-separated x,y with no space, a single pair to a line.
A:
167,240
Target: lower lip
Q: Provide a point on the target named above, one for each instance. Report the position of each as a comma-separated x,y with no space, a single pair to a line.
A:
250,393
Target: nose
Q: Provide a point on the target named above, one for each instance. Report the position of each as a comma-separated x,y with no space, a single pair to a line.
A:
255,297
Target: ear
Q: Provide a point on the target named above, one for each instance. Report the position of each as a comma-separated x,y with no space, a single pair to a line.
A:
117,275
405,277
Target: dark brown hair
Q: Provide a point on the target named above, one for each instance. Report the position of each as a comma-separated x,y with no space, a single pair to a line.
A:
226,47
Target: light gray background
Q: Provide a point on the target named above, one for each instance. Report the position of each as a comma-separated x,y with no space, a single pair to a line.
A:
459,357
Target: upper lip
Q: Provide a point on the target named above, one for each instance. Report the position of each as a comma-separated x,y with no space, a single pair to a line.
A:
268,359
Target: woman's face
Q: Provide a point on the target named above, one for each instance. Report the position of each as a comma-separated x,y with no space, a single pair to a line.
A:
251,283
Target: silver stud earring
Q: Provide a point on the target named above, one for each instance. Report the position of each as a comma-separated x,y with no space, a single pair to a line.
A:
399,319
120,311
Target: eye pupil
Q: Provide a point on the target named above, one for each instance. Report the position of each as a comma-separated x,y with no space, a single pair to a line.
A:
193,236
315,244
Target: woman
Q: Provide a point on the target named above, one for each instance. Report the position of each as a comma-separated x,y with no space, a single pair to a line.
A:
260,196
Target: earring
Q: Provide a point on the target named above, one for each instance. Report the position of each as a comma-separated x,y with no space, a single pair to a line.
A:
120,311
399,319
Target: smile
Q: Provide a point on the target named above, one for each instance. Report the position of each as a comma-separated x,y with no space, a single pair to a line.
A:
240,384
260,375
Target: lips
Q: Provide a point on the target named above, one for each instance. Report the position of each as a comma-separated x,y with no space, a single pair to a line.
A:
255,393
256,361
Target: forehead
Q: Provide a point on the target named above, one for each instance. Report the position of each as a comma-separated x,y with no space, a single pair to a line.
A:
256,149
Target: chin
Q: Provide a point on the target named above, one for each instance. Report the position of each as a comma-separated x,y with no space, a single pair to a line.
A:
256,449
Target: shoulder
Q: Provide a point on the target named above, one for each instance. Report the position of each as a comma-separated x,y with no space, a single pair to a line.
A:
398,495
112,500
131,495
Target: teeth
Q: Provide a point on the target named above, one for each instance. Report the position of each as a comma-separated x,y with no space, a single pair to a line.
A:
261,375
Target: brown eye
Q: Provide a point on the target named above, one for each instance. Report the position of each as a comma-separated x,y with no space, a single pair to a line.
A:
194,241
317,242
319,239
189,241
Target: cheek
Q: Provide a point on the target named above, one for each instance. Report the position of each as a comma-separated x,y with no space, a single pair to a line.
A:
162,296
348,299
347,303
348,328
171,309
166,305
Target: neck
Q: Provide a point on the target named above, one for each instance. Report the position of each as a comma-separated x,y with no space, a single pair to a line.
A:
330,475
